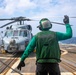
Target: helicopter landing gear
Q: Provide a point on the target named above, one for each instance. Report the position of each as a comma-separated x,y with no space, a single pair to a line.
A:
2,49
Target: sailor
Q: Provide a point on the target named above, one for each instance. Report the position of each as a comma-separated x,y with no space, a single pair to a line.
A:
47,48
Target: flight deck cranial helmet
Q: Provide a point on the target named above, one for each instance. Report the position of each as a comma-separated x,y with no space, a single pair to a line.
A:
45,24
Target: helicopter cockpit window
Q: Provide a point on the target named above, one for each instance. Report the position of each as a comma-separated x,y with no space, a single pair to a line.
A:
23,33
9,33
15,33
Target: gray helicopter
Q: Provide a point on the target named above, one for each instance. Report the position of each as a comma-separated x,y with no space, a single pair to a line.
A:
16,36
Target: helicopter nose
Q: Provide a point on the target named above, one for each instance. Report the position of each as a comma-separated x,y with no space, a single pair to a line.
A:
12,42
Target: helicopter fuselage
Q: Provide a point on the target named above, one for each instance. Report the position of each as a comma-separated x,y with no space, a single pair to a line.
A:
17,38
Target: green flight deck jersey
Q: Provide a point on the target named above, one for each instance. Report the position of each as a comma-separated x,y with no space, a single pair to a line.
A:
47,47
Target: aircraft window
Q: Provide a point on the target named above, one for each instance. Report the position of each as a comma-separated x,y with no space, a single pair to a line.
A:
9,33
23,33
15,33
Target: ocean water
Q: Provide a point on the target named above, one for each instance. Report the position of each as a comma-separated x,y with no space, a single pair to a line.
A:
69,41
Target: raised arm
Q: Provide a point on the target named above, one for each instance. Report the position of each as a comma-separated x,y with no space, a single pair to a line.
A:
68,33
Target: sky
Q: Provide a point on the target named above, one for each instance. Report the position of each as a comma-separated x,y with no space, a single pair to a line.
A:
54,10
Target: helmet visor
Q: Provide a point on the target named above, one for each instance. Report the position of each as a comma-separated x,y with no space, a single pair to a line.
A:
45,24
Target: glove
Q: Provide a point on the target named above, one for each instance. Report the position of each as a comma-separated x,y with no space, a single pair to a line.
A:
21,64
66,19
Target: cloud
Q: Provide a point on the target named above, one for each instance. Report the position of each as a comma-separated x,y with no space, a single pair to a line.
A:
57,7
37,9
26,4
31,7
12,6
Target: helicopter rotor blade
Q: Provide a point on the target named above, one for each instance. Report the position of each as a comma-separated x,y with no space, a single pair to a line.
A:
59,23
4,19
72,17
22,19
26,19
56,23
15,18
19,19
30,20
7,24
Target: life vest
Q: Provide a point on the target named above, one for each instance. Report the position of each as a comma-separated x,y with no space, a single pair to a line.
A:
47,47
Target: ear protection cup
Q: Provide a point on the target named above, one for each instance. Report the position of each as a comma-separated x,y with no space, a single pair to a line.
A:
40,28
51,25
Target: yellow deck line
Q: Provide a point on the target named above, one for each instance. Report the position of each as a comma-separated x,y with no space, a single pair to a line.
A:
64,51
15,65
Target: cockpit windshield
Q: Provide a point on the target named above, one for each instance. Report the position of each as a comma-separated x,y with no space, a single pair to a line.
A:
9,33
16,33
22,33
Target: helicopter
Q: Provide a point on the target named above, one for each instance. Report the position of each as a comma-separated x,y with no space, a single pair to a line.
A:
16,37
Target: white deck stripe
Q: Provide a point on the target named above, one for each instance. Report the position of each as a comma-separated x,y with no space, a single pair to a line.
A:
64,51
13,57
7,58
62,73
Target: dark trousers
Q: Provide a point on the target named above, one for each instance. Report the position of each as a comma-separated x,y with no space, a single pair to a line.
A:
47,68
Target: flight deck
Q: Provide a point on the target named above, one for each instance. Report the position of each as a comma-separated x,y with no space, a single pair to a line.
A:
67,65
